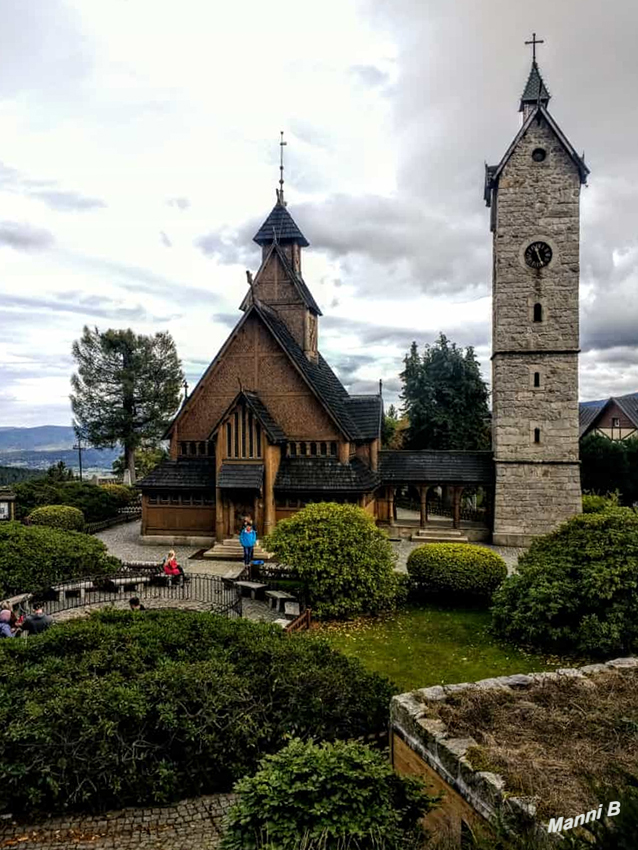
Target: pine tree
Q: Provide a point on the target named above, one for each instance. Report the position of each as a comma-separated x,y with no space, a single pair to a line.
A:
126,389
444,398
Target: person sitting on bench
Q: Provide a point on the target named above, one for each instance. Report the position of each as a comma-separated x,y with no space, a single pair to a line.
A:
171,568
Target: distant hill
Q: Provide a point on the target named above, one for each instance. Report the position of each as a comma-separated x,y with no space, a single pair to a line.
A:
45,445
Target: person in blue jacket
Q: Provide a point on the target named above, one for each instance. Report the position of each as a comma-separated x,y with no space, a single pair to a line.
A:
248,538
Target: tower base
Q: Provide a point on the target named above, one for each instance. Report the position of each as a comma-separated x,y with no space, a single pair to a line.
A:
533,499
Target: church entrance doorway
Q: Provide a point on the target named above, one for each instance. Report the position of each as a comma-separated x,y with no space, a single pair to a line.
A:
240,504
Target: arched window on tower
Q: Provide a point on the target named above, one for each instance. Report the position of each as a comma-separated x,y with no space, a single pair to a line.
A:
538,312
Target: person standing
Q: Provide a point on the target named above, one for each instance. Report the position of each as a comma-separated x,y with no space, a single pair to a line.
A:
248,539
37,622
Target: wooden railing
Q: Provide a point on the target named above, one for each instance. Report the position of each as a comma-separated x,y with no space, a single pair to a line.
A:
301,623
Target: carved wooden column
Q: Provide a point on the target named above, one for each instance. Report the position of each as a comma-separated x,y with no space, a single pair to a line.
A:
270,471
456,506
391,491
423,492
219,499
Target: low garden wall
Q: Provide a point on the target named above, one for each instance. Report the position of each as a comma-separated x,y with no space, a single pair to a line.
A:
422,744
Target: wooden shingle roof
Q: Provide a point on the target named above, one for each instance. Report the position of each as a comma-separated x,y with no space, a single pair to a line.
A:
367,412
182,474
437,467
325,475
280,227
248,476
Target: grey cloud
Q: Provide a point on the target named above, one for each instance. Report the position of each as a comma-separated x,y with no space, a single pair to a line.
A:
229,320
180,203
108,309
237,249
165,240
24,237
369,75
68,201
474,335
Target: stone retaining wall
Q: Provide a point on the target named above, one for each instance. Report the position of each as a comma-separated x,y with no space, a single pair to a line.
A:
471,795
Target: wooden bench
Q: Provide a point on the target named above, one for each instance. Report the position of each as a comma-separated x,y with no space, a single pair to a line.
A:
255,588
278,598
78,587
128,583
230,578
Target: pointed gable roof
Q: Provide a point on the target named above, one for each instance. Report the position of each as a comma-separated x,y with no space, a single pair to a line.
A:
273,429
493,172
296,279
590,412
535,90
280,227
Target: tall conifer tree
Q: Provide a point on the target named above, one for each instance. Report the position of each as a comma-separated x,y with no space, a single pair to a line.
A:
126,389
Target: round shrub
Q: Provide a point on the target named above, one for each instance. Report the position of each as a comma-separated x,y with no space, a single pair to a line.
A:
344,561
58,516
128,708
327,796
577,588
456,570
122,494
35,557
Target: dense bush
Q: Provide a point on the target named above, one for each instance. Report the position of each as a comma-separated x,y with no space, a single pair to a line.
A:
577,588
96,503
127,708
58,516
455,570
32,557
311,795
607,465
124,495
593,503
345,562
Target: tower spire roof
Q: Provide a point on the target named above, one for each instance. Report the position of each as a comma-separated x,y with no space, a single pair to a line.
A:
535,91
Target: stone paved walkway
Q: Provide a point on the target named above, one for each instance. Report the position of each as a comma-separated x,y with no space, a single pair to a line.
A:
195,824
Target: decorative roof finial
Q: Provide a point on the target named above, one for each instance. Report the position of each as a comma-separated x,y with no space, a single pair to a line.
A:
534,42
280,194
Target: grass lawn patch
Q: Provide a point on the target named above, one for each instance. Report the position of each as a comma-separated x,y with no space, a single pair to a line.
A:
421,646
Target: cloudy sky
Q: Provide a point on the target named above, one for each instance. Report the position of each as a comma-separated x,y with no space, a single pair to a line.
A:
139,154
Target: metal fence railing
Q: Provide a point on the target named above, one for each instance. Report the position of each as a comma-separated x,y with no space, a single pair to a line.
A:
146,583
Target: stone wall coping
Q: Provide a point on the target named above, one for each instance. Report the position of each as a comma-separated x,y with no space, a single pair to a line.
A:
427,736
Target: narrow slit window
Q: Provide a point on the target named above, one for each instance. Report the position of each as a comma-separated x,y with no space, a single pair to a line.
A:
258,433
229,440
537,379
537,435
244,445
538,312
251,435
236,434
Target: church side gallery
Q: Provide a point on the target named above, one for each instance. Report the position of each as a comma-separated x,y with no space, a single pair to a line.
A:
269,427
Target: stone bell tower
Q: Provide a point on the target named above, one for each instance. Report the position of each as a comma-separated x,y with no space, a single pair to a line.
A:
534,199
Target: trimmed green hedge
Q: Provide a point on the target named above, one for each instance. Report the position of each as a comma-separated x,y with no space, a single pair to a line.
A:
34,557
593,503
96,503
132,708
455,570
58,516
327,796
123,494
577,588
344,561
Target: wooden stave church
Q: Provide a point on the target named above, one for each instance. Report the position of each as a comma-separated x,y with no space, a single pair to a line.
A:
269,426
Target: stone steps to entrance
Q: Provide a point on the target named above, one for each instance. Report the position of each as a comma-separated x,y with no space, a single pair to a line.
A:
439,535
232,550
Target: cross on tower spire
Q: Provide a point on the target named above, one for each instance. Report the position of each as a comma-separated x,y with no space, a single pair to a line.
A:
534,42
280,193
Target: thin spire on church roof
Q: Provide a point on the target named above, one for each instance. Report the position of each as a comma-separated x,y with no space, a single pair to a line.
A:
535,90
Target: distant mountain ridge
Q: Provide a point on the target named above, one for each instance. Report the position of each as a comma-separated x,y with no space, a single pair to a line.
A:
45,445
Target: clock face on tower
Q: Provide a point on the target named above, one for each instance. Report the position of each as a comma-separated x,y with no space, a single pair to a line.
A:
538,255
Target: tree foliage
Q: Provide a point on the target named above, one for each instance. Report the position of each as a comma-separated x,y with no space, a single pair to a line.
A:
96,503
577,588
146,459
444,398
393,429
608,465
344,561
126,389
132,708
328,796
33,558
60,472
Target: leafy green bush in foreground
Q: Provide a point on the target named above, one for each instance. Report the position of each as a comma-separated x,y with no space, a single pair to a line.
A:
328,796
131,708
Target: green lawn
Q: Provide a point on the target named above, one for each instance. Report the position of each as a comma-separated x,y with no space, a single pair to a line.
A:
423,646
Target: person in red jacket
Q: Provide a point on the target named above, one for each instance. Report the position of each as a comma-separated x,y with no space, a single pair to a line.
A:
171,567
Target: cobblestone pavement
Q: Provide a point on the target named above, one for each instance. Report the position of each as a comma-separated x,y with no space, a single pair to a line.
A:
123,605
123,542
195,824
